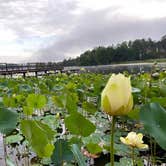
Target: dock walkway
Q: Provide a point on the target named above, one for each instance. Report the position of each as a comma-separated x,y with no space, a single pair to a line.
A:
10,69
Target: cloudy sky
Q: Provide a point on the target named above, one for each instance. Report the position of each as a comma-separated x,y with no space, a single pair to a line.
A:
51,30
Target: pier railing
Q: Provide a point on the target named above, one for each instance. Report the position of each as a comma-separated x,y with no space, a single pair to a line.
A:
9,69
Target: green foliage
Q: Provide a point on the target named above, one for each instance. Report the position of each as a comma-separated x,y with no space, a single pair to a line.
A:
51,121
134,114
139,49
36,101
67,100
13,139
124,162
71,102
94,148
28,110
127,162
78,155
39,135
89,107
13,101
25,88
8,120
121,149
153,117
77,124
59,101
74,99
159,100
62,152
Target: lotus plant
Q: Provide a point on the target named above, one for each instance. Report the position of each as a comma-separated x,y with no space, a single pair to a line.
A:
116,100
134,141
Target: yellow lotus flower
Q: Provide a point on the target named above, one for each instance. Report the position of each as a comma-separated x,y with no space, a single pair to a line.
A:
116,98
82,69
134,140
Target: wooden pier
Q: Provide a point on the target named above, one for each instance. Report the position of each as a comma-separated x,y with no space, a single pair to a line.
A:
11,69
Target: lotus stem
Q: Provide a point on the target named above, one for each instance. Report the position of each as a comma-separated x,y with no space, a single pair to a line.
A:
112,141
133,156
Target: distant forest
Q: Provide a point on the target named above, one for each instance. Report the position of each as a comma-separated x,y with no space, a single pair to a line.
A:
140,49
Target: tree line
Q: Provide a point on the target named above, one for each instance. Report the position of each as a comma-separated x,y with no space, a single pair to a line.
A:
139,49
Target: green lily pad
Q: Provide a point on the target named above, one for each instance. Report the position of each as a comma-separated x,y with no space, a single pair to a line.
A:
153,117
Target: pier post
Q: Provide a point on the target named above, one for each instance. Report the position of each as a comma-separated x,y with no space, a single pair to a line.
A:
24,75
36,74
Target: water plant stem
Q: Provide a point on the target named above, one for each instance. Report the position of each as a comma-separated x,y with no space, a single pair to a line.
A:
112,141
154,152
133,156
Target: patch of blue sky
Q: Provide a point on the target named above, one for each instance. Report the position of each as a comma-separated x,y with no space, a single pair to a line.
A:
28,43
36,42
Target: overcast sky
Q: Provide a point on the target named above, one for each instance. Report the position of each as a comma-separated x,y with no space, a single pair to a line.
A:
51,30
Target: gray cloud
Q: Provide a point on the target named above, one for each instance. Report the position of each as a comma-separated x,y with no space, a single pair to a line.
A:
73,32
101,28
28,18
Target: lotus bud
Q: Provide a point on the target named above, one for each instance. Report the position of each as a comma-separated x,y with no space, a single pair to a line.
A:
116,98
